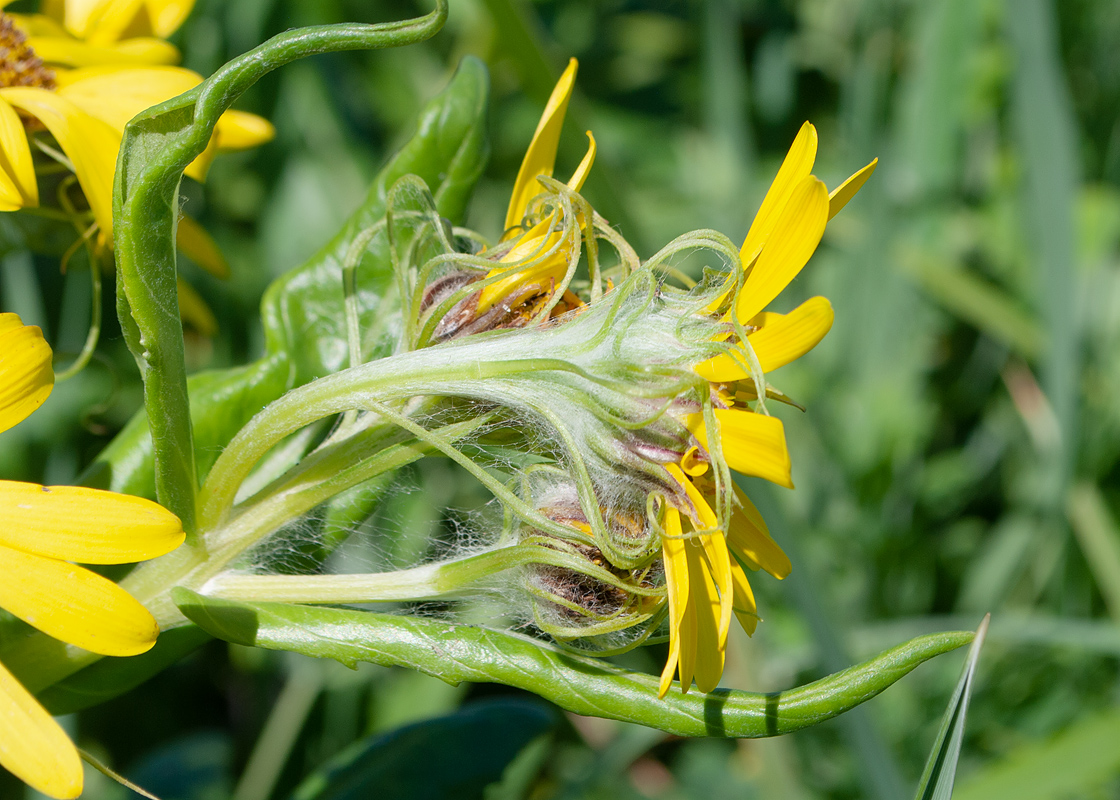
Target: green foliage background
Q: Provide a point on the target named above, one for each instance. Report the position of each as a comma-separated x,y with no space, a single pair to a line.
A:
960,450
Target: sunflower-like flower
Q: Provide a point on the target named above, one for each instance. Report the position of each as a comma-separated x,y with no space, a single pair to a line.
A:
44,529
705,564
69,72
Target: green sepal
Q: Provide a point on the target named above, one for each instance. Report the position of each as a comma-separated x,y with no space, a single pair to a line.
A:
454,653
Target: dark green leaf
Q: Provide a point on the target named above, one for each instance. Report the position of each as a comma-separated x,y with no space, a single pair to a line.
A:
453,756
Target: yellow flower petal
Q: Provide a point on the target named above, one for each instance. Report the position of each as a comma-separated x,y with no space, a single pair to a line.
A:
676,584
795,168
199,246
18,187
715,554
89,143
540,158
240,130
32,745
26,376
840,196
584,168
753,444
704,597
795,236
92,526
106,21
749,538
74,605
65,51
115,94
780,339
746,611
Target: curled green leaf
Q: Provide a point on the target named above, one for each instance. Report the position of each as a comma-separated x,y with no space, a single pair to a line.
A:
455,653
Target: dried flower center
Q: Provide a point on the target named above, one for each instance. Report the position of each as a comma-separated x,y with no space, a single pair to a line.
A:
19,66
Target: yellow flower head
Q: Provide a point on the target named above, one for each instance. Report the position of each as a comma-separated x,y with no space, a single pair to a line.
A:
45,529
705,563
83,92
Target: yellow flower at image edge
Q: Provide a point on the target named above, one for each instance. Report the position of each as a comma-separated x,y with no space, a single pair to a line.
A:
705,566
44,529
85,110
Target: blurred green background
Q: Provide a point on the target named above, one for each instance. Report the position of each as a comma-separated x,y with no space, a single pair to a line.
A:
960,450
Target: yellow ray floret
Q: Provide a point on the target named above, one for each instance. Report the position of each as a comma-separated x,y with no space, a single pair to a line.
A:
45,529
777,339
540,157
753,444
55,522
18,187
32,745
26,377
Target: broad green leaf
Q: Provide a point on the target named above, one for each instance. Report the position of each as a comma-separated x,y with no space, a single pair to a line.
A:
454,653
941,768
453,756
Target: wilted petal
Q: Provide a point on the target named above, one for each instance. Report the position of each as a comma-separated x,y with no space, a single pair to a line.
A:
240,130
746,611
199,246
32,745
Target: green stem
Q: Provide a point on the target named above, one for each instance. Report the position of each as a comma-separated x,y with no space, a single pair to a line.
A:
427,582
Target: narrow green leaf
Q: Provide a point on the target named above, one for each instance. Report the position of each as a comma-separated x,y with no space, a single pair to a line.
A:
454,653
979,303
1099,537
1045,129
941,768
453,756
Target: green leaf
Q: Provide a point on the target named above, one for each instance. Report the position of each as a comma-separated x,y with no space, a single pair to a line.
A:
302,311
158,145
455,653
941,768
453,756
110,677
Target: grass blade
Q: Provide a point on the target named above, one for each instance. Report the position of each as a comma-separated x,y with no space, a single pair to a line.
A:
941,769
